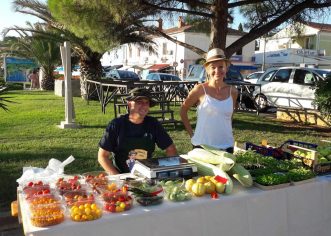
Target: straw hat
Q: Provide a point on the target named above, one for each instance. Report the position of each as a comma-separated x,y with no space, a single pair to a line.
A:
215,54
138,93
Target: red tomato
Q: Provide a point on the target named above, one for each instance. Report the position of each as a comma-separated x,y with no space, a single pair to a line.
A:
112,208
46,191
214,195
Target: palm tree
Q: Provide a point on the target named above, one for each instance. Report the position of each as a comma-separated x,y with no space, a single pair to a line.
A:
42,50
89,59
4,100
90,64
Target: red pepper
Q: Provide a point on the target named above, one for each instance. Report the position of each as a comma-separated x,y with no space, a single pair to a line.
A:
156,192
221,179
214,195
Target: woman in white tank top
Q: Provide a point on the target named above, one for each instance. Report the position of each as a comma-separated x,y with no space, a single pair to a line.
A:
216,101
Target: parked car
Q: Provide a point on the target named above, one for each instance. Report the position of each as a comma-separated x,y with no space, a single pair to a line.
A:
253,77
292,87
122,75
162,77
198,73
105,70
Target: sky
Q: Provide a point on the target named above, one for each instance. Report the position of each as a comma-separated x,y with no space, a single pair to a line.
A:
8,17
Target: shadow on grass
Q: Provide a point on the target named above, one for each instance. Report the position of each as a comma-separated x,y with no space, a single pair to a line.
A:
267,124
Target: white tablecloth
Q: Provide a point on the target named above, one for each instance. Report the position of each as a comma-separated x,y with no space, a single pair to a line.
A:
302,210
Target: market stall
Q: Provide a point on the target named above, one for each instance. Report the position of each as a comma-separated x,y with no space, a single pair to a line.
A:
280,193
295,210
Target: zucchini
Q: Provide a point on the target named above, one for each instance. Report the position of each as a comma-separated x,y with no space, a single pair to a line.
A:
242,175
200,154
218,152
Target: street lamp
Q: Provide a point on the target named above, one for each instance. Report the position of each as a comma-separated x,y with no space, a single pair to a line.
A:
264,47
175,64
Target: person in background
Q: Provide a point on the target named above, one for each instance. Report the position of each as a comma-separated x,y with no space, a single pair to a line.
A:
133,136
216,102
34,78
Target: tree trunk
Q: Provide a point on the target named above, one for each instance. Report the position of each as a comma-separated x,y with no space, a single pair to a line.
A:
47,81
90,69
219,24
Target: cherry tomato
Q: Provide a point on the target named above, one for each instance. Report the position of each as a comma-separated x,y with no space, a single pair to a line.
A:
214,195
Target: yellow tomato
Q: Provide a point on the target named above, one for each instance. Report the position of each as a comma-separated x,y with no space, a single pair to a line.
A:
112,186
77,218
122,205
198,189
208,177
201,179
220,188
88,211
188,184
210,187
93,206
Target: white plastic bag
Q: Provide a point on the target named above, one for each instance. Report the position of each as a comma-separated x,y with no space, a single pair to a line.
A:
54,168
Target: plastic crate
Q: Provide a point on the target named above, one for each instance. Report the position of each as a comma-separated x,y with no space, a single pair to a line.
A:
266,151
300,144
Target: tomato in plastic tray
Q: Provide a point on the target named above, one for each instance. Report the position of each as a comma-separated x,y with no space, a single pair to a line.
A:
68,183
47,217
37,190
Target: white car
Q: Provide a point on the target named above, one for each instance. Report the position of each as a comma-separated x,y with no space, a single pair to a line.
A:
290,87
253,77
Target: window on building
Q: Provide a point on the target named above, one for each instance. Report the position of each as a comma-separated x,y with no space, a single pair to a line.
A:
138,52
308,43
257,45
240,51
130,52
164,49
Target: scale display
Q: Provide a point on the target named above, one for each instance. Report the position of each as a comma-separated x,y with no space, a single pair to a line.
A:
164,162
165,167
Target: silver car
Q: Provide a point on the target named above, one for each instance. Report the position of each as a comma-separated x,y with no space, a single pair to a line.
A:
162,77
290,87
253,77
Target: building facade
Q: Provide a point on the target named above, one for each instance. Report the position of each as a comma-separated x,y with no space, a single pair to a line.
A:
172,54
311,47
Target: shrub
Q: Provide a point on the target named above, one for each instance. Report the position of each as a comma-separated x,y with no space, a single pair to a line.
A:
323,97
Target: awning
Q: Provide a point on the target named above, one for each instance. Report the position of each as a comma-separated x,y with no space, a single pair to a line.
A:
158,67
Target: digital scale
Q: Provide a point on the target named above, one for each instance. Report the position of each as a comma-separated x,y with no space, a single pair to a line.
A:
165,167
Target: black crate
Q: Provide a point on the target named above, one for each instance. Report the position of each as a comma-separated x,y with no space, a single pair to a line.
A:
266,151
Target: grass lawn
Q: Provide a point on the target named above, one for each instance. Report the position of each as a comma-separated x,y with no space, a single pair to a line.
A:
29,135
